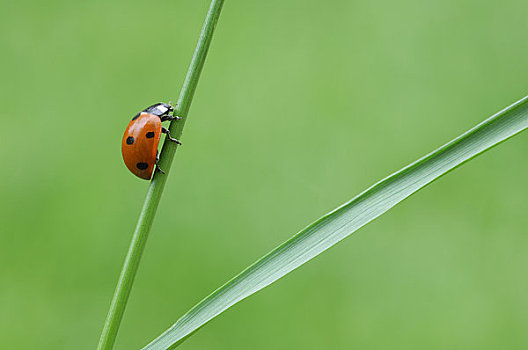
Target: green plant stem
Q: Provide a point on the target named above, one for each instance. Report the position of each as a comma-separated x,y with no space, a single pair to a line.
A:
139,239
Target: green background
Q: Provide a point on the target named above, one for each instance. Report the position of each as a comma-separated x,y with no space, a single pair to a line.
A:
302,105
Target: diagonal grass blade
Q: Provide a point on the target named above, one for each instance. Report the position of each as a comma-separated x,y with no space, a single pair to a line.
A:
345,220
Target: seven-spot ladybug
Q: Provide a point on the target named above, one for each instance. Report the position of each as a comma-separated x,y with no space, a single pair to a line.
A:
141,139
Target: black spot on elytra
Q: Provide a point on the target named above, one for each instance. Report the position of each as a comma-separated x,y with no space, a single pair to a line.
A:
142,166
150,134
137,115
130,140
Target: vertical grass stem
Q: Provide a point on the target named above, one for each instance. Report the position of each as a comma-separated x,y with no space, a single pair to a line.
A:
139,239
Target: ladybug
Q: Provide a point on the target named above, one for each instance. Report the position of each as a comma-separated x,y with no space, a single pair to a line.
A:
142,135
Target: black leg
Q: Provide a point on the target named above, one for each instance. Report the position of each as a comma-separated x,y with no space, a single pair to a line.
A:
170,118
157,166
166,131
159,169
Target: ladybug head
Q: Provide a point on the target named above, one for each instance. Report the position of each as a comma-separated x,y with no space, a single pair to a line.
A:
160,109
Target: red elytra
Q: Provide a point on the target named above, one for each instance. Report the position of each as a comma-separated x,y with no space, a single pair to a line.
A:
140,144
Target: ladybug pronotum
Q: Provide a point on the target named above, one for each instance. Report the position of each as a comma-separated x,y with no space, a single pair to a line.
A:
141,139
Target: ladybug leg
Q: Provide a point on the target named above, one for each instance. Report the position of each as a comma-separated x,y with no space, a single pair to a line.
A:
170,118
157,165
159,169
166,131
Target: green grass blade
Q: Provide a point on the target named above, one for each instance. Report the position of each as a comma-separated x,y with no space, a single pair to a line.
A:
343,221
139,238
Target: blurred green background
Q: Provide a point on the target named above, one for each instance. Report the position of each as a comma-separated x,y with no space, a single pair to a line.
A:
301,105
